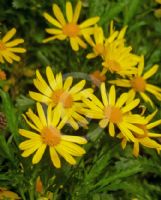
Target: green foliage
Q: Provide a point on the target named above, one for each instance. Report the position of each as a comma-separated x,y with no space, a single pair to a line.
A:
106,172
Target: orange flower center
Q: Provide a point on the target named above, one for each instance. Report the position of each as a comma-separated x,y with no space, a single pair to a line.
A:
113,114
97,78
2,46
98,49
138,84
71,29
64,97
2,75
51,136
113,66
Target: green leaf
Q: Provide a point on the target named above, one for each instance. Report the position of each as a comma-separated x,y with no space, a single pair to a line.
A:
10,115
132,7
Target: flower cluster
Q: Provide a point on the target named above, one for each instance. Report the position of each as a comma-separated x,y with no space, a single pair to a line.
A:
59,102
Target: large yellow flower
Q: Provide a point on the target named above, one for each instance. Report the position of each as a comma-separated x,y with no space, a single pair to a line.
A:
70,28
8,48
138,83
57,92
115,113
145,139
47,133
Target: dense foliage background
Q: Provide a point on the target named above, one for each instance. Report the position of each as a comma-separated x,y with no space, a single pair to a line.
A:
106,171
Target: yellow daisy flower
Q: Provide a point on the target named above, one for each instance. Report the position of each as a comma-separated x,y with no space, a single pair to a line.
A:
115,113
47,133
138,83
8,48
145,139
70,28
57,92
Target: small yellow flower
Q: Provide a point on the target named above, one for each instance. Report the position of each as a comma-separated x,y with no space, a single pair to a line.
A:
115,113
70,28
145,139
97,78
138,83
57,92
6,194
47,133
8,48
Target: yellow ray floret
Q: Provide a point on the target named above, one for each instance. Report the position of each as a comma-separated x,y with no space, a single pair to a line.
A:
115,113
145,139
57,92
47,133
8,48
69,28
138,83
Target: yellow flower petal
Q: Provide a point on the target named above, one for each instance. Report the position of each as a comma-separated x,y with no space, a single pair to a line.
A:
79,86
76,139
51,78
50,19
54,157
35,119
14,42
29,144
41,114
153,124
74,43
111,129
39,153
103,94
103,123
58,14
68,83
39,97
77,12
30,151
69,11
28,134
112,96
17,50
53,31
121,100
146,98
72,149
130,106
30,124
89,22
151,72
9,35
65,155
